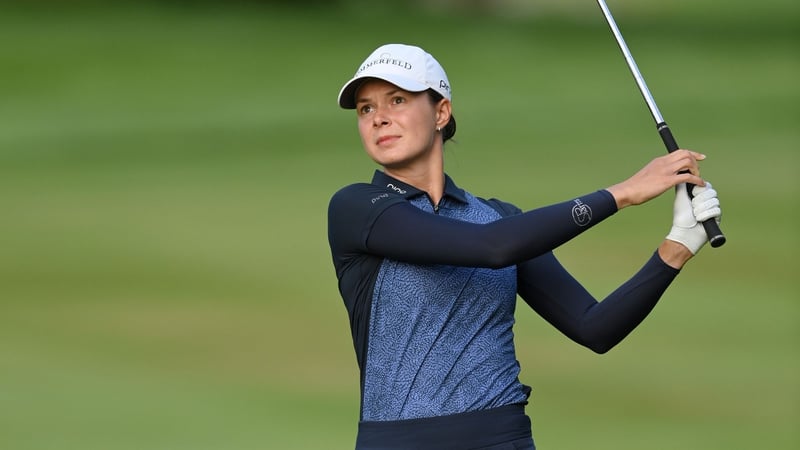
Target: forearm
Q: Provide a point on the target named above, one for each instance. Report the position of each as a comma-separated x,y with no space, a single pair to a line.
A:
611,320
550,290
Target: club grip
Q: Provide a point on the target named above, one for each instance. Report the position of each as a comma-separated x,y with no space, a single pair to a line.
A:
715,236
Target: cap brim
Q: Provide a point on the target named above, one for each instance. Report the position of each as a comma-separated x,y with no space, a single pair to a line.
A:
347,96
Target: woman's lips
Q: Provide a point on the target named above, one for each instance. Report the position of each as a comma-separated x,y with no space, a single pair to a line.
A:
384,140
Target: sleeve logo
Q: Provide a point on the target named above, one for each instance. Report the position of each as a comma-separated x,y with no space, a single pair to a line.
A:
375,199
581,213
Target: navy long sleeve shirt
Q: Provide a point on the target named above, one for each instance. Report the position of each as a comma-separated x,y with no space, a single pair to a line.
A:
431,291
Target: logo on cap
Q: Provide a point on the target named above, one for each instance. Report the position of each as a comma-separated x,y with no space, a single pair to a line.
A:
387,59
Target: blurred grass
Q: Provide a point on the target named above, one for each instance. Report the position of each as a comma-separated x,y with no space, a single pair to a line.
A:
165,281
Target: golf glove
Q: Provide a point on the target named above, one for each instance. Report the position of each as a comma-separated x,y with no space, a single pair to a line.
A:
687,215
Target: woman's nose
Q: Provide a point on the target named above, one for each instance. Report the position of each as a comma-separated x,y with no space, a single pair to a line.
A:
380,118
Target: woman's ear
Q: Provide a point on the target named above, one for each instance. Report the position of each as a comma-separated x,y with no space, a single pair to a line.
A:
443,111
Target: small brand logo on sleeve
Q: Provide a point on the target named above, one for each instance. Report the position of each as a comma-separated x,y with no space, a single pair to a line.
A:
581,213
375,199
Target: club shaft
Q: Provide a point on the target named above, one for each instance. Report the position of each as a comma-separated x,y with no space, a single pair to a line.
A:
715,236
637,75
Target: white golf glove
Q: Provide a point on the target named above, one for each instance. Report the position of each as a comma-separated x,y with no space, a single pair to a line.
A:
687,215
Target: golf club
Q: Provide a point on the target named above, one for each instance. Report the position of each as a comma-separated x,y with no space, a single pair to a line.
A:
715,236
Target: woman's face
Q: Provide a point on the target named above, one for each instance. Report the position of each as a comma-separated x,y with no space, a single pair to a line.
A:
397,127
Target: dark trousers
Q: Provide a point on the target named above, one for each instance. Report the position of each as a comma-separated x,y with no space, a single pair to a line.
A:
503,428
519,444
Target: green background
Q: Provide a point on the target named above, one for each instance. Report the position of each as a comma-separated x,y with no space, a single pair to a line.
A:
165,168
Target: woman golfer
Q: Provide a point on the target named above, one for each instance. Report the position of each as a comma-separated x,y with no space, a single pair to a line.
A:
429,273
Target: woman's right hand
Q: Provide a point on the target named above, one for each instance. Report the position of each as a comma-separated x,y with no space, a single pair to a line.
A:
657,177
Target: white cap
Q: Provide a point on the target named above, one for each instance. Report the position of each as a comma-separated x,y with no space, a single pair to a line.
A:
407,67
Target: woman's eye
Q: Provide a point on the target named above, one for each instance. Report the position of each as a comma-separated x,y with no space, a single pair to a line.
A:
366,109
398,100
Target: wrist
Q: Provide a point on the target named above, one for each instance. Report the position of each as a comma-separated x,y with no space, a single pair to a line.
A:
620,197
674,254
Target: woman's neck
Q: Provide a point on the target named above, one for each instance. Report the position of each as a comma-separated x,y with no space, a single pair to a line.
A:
428,178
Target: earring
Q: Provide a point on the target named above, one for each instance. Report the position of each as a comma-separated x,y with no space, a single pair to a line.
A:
438,128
